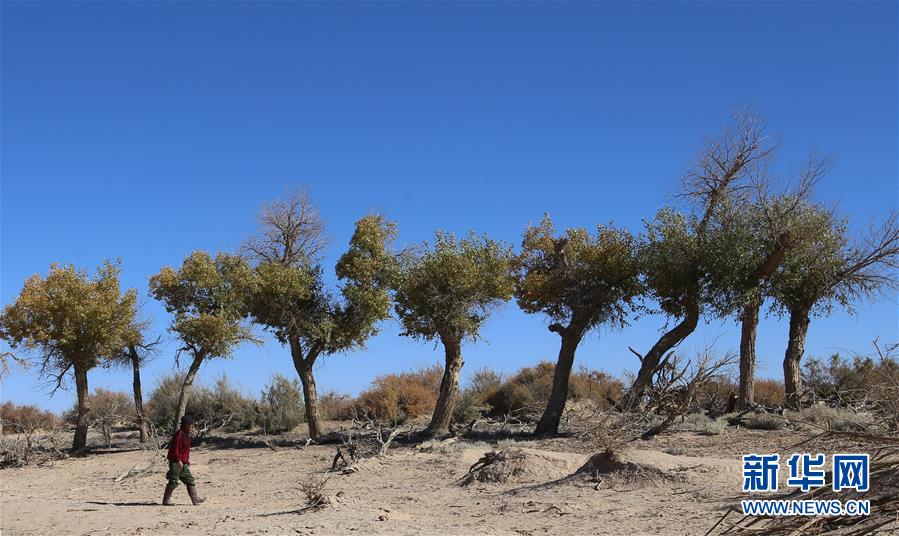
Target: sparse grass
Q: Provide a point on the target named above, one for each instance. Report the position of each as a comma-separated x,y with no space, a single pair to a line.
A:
700,424
765,421
840,419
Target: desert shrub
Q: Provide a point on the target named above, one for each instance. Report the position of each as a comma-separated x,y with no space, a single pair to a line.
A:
527,388
699,423
842,419
107,410
222,407
769,392
595,385
530,387
511,398
334,406
15,418
473,402
840,381
231,408
717,395
764,421
281,408
394,397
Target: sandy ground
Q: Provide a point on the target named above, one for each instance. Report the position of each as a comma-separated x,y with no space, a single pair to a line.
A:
411,490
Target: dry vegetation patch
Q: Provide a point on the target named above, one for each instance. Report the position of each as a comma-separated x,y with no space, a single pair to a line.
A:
516,465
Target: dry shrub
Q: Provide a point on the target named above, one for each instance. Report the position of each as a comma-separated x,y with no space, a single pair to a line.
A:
765,421
530,387
14,418
333,406
769,392
473,403
840,419
595,385
700,424
609,469
513,465
400,396
313,491
28,443
717,396
108,409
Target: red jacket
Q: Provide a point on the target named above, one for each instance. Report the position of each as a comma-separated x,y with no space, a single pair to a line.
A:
179,447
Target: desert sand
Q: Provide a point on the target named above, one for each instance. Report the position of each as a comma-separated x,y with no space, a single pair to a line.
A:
683,484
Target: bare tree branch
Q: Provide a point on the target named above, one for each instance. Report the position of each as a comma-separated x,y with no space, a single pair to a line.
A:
291,232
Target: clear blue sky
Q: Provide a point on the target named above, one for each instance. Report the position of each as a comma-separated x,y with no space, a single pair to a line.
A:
146,130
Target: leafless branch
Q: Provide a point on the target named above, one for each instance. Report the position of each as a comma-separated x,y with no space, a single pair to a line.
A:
291,232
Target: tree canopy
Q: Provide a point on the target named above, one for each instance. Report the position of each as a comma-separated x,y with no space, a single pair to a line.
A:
447,292
288,296
73,322
580,282
208,300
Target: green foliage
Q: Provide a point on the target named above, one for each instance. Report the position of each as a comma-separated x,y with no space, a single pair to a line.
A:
840,380
223,406
669,259
743,235
290,300
281,408
207,298
448,290
396,397
809,280
70,318
578,279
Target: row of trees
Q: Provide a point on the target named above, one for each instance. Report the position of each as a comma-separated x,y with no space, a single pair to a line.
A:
746,235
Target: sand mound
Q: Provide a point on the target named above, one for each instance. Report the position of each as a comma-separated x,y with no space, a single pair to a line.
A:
516,465
636,468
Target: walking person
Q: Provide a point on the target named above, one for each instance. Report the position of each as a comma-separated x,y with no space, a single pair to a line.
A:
179,464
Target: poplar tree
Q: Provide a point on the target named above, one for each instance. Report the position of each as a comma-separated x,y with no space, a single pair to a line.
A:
72,322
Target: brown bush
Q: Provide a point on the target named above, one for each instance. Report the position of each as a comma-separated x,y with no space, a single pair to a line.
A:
769,392
333,406
595,385
399,396
530,387
15,419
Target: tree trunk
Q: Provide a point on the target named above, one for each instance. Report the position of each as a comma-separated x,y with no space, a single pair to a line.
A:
749,323
799,321
138,396
449,388
549,422
303,367
310,399
664,345
185,387
80,440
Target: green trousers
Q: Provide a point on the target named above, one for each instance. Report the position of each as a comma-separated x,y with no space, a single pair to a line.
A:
183,474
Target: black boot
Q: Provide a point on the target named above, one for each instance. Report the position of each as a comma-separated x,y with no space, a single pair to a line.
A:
167,496
194,498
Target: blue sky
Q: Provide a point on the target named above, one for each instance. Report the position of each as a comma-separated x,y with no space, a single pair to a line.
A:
146,130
